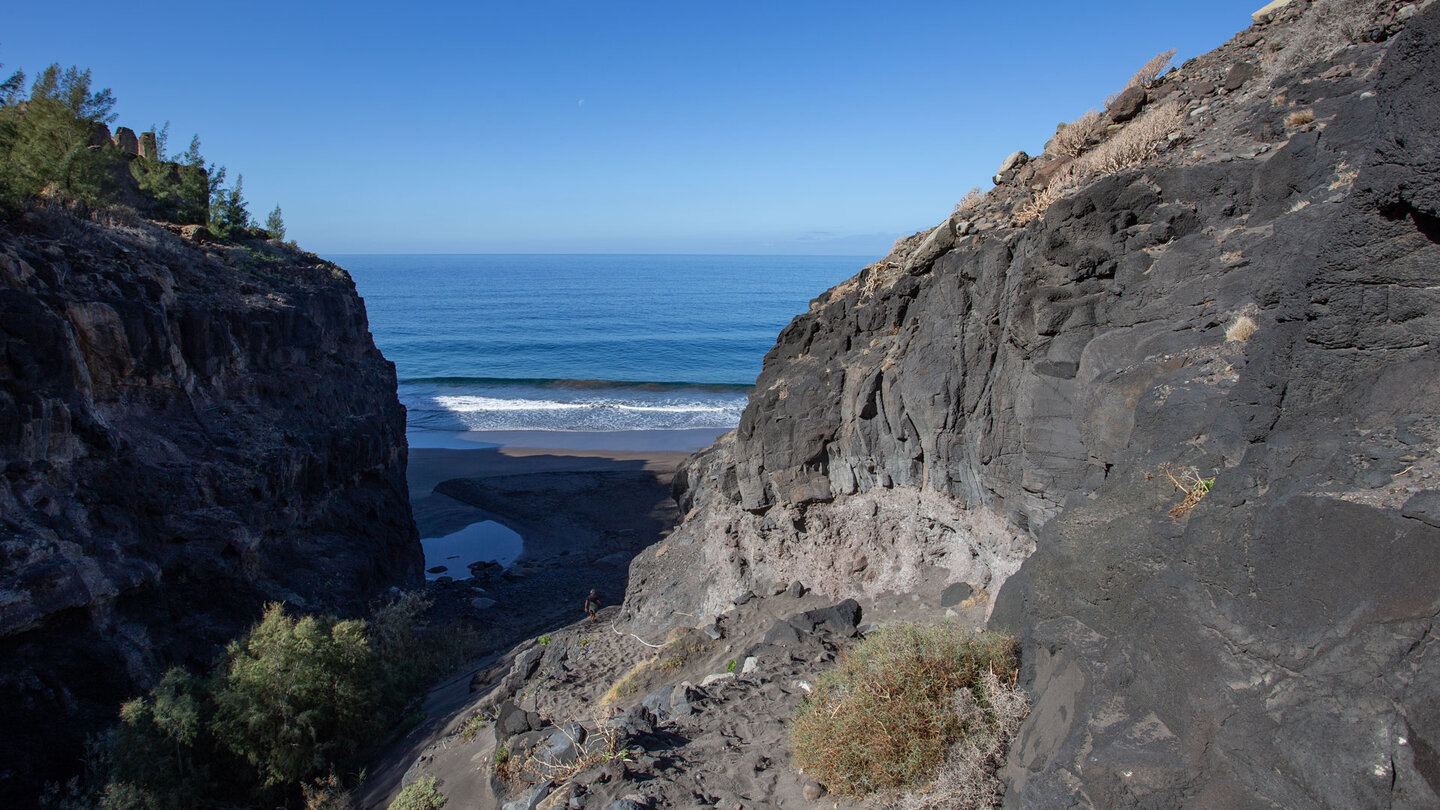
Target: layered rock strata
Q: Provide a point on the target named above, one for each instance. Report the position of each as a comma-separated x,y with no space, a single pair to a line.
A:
1248,312
186,432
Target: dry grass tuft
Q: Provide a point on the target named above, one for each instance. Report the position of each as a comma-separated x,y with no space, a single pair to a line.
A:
598,749
682,645
1038,203
971,199
1074,137
1130,147
1145,77
628,684
1299,118
969,778
1190,483
886,715
1241,330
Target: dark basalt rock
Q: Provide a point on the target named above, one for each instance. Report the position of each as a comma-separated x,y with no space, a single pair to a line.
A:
1029,388
185,433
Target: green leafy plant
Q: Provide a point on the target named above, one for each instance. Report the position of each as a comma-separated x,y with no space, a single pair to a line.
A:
885,716
420,794
297,694
730,665
471,728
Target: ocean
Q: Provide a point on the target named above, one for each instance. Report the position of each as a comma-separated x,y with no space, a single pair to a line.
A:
582,342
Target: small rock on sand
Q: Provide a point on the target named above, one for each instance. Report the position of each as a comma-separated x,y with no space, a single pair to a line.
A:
813,790
715,677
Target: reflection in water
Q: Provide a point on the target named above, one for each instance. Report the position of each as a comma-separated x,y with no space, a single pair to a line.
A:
478,542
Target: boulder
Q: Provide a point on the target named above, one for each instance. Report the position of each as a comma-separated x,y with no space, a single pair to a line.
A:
839,619
563,745
636,721
1127,105
1268,11
525,665
1238,74
782,633
510,720
669,702
1013,161
1424,507
532,798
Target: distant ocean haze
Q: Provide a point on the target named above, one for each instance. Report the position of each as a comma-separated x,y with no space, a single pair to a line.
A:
582,342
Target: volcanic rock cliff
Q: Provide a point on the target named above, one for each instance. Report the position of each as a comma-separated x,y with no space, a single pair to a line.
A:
1010,400
186,431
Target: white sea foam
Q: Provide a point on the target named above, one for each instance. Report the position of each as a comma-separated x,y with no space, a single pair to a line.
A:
488,406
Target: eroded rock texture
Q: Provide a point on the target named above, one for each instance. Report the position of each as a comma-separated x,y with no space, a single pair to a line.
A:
185,433
993,389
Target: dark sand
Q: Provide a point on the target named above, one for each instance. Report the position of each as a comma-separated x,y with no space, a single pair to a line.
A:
583,514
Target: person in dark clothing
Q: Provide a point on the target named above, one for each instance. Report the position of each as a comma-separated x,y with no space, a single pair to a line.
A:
592,604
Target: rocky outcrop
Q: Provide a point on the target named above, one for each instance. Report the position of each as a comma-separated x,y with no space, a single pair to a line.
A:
1250,310
186,431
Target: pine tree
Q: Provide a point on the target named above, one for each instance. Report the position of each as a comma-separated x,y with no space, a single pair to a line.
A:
275,224
46,148
228,209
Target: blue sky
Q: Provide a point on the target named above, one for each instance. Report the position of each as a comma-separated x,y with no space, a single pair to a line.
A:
597,127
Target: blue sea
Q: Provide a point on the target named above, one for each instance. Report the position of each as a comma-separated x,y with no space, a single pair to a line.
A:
582,342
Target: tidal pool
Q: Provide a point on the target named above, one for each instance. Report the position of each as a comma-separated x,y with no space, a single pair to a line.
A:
479,542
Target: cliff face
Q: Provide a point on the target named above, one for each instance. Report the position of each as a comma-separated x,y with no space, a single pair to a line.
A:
1005,404
186,431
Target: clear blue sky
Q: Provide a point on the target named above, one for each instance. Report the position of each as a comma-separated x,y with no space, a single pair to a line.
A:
593,127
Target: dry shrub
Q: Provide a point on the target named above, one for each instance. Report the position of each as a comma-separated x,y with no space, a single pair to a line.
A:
969,778
885,716
1074,137
1038,203
1132,145
1147,74
971,199
1190,483
681,647
628,684
1326,28
598,749
1299,118
1241,330
327,794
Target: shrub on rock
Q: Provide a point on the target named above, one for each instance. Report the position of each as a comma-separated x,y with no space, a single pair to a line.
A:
887,714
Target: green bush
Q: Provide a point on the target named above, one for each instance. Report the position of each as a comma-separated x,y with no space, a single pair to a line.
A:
419,795
161,748
297,694
292,700
886,714
45,145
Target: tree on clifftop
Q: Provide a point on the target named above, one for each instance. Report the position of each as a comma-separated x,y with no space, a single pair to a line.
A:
275,224
228,209
46,143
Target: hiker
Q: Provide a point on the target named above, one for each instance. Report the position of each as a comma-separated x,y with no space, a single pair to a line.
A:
592,605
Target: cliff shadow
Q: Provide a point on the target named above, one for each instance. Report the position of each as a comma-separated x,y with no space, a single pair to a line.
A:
582,518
